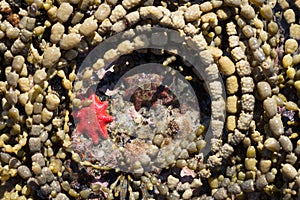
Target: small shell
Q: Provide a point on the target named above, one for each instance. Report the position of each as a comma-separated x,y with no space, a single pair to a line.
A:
272,28
192,13
125,47
177,19
206,6
253,43
51,56
24,172
248,186
247,84
248,31
270,106
287,60
297,85
286,143
290,105
141,41
248,102
117,13
289,16
231,122
295,31
52,101
248,12
119,26
70,41
259,55
105,26
243,68
264,89
88,27
233,41
110,55
263,36
238,53
12,33
289,171
210,18
224,13
46,115
132,18
250,164
290,46
226,66
266,49
57,32
276,126
231,28
272,144
64,12
266,12
251,152
151,12
265,165
232,85
261,182
102,12
128,4
244,121
18,63
39,76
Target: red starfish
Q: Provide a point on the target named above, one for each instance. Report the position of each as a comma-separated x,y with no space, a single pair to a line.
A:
93,119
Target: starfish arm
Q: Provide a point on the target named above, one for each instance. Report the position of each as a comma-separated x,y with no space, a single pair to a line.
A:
93,134
80,128
103,130
93,119
101,107
105,118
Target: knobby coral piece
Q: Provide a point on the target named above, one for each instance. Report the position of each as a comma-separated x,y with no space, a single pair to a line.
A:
93,119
